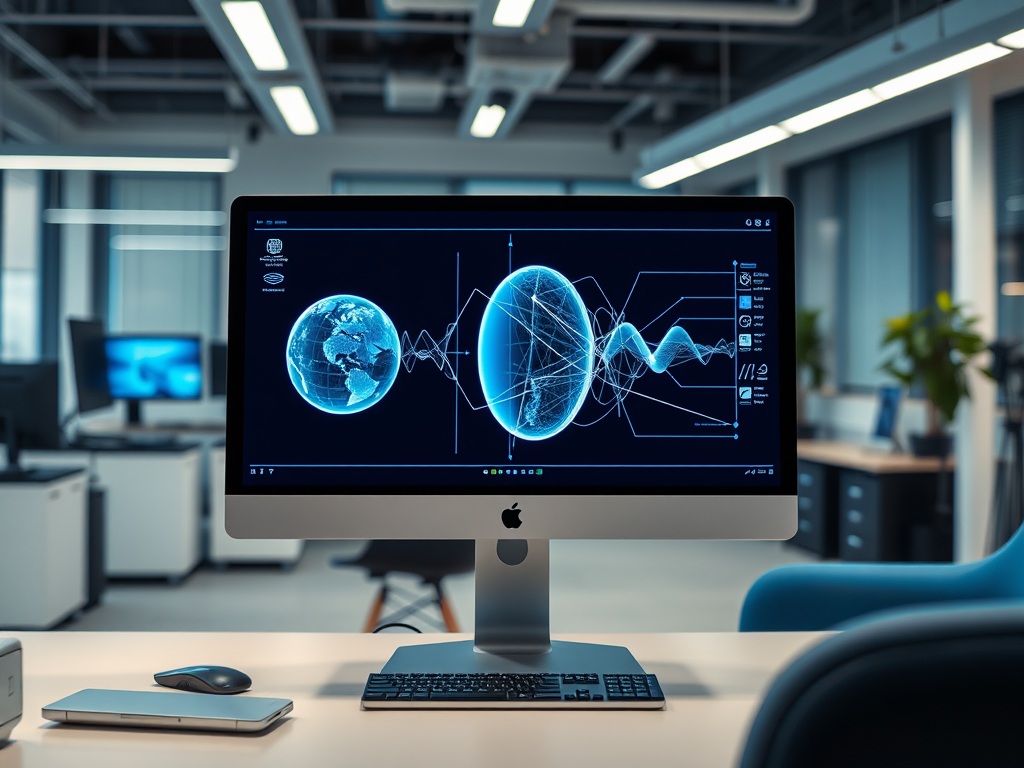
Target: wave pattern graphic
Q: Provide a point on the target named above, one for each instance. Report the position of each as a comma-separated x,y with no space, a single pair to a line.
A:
676,347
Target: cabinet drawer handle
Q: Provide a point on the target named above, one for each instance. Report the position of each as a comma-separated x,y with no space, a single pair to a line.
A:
855,516
855,491
805,503
806,479
855,541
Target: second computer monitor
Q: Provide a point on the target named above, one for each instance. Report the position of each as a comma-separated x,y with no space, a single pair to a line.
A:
154,367
88,351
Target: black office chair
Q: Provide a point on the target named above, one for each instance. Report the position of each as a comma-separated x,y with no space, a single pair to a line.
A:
913,689
430,560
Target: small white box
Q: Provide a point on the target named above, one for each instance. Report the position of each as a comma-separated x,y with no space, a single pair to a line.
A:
10,687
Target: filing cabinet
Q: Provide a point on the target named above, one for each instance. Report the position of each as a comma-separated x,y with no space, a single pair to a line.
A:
818,496
878,511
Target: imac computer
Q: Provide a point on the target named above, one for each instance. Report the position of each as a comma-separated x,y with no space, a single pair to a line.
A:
153,367
511,370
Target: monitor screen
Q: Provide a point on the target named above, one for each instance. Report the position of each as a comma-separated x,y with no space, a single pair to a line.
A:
454,345
88,350
155,367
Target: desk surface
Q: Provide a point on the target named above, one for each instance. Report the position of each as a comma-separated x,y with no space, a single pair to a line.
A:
867,459
713,682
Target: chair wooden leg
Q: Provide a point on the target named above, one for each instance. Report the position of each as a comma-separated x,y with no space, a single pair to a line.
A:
375,610
447,613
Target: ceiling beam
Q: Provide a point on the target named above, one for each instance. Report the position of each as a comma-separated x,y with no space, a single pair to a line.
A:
414,26
70,87
625,59
301,69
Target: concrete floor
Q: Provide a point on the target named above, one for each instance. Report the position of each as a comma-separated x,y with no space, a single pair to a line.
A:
596,586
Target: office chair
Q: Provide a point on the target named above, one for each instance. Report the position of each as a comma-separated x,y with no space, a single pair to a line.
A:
822,595
928,687
431,561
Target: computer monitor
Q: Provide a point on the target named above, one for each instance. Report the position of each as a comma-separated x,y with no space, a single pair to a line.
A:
29,411
153,367
218,368
89,354
511,370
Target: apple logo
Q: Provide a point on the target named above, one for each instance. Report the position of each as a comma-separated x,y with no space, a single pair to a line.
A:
510,517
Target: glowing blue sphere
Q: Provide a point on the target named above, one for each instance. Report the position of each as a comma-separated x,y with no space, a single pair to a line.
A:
535,353
343,354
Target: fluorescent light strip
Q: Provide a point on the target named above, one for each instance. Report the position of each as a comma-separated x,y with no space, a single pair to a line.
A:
134,217
512,13
1014,40
487,121
940,70
254,29
168,243
294,107
107,163
831,111
834,110
1012,289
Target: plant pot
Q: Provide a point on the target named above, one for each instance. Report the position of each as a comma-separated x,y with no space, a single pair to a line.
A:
931,445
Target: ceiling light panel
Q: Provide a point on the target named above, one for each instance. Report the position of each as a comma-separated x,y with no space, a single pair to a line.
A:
52,157
487,121
670,174
512,13
252,25
124,217
294,106
1015,40
940,70
741,146
831,111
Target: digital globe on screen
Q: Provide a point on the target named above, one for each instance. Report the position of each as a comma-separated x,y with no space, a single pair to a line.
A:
343,354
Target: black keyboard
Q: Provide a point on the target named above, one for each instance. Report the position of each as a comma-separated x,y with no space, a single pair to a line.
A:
512,691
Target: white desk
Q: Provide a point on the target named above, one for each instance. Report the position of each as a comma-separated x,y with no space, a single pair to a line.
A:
43,549
153,506
713,681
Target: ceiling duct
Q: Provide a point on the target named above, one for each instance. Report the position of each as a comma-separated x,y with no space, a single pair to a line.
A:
699,11
413,92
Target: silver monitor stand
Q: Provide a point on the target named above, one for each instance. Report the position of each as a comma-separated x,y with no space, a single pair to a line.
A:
512,623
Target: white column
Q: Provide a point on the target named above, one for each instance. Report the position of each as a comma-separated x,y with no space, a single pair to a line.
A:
75,274
974,284
771,174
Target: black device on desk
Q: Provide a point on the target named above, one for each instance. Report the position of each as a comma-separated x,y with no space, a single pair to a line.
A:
512,371
205,679
218,368
28,410
89,354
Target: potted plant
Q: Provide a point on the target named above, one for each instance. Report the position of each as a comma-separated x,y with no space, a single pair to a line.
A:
935,347
809,367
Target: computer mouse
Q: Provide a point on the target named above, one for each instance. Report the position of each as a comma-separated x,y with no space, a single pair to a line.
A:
205,679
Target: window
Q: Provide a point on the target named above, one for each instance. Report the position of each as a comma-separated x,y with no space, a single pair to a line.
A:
165,278
1009,159
21,267
874,240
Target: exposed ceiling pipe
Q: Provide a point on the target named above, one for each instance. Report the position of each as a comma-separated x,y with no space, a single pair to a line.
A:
694,11
704,11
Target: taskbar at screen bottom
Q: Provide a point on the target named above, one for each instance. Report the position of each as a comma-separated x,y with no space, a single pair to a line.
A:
516,475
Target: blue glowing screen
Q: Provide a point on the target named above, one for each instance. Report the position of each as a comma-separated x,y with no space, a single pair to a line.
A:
154,368
569,349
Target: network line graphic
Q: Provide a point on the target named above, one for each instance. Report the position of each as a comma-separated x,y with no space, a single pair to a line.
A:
541,355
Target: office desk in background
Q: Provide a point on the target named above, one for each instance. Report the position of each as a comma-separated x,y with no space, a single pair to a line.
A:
865,504
714,683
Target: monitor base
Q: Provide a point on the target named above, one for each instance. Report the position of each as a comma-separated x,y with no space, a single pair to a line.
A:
462,658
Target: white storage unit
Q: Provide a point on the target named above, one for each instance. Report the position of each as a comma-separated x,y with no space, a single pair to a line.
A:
43,548
153,506
223,548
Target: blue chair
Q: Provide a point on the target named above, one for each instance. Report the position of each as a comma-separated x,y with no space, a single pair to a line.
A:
922,689
820,596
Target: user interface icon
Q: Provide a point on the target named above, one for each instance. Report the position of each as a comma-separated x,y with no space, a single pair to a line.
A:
745,301
745,339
